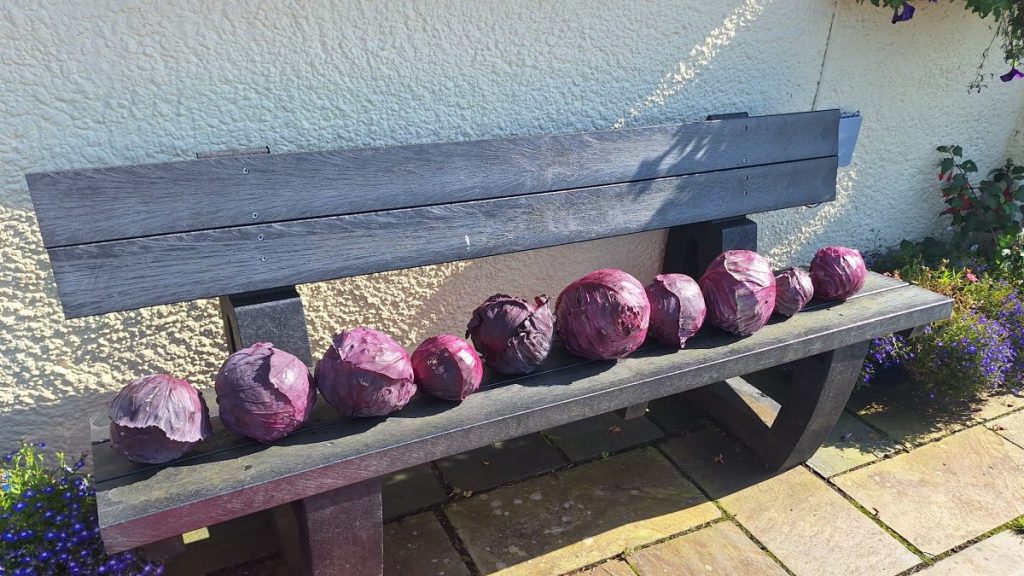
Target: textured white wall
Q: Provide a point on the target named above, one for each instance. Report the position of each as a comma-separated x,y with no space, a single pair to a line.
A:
108,82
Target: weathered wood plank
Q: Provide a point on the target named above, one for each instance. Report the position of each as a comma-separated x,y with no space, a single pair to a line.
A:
158,502
92,205
125,274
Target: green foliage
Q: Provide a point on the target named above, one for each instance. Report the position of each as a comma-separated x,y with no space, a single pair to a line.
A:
984,212
1008,260
980,347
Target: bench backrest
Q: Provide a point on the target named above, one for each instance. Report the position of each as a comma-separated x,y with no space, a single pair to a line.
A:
134,236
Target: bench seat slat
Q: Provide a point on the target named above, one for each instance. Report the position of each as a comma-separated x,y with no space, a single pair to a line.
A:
126,274
155,503
109,464
93,205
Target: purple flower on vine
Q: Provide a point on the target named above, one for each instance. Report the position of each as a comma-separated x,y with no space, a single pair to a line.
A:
902,13
1012,75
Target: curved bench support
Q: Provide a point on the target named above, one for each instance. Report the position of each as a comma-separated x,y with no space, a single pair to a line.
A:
821,385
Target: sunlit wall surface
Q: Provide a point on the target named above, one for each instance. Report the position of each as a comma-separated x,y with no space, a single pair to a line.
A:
116,82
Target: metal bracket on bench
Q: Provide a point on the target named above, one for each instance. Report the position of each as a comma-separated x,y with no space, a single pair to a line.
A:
273,316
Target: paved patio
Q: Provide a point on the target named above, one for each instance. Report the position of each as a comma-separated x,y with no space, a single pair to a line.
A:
903,486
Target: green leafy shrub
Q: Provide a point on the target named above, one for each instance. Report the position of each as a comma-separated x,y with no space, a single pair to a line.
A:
983,213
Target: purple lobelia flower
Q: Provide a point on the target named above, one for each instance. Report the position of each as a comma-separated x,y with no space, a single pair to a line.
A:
1013,74
902,13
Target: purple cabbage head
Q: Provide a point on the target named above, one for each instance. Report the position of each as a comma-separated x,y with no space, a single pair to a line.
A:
158,418
793,290
739,290
447,367
677,309
603,315
837,273
264,393
512,335
365,373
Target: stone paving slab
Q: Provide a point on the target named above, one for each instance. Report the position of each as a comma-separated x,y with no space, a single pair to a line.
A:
419,546
612,568
500,463
572,518
851,443
1010,427
720,549
1002,555
996,405
908,417
811,528
603,434
946,493
410,490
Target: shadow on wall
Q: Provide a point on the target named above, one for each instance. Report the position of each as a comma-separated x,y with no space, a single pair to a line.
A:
56,373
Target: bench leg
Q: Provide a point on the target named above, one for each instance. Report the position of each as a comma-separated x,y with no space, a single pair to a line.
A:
821,386
339,532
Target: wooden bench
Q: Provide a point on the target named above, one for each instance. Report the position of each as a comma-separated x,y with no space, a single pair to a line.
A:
248,228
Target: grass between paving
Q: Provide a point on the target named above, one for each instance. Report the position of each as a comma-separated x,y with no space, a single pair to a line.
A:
1016,525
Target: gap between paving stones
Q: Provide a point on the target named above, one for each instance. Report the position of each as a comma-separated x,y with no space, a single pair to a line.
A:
625,554
956,549
455,539
725,513
885,527
903,448
926,559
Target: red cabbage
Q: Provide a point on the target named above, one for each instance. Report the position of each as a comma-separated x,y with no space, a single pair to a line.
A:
512,335
837,273
603,315
739,290
365,373
793,290
158,418
677,309
447,367
264,393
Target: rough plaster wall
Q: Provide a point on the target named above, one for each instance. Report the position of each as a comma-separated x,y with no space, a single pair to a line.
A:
125,82
912,93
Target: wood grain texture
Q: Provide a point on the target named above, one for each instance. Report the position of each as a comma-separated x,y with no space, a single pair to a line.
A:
92,205
125,274
158,502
